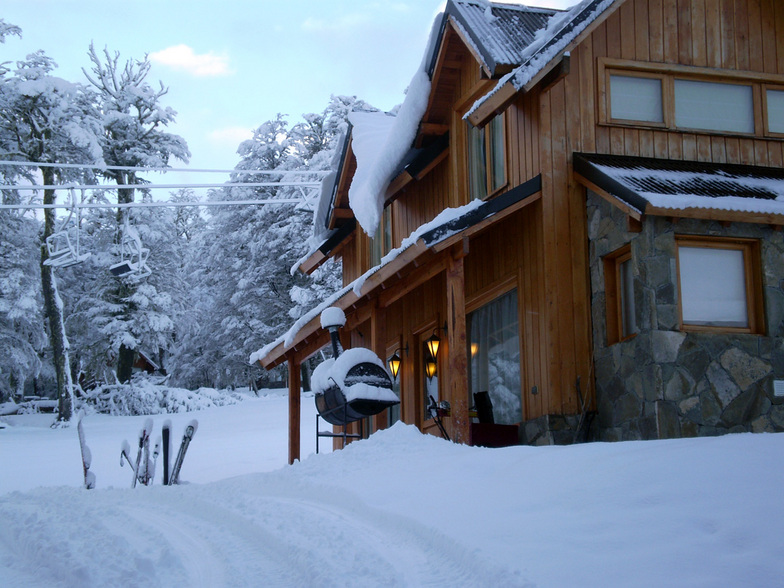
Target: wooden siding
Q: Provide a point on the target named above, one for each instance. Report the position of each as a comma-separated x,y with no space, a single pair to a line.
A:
739,35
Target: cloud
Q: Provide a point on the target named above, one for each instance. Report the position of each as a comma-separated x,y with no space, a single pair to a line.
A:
340,24
231,136
183,58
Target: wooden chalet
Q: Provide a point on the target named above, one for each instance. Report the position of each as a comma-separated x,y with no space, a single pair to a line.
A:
587,214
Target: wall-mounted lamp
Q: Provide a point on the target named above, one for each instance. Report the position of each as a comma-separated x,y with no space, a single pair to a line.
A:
433,344
431,366
394,362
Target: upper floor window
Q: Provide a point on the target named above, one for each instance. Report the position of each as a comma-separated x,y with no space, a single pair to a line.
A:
774,110
381,243
636,98
714,106
486,158
688,98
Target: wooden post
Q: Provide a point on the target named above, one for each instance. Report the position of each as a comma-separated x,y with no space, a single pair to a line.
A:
294,408
457,372
378,343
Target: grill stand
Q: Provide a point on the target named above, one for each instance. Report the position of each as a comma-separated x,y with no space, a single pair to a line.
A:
344,435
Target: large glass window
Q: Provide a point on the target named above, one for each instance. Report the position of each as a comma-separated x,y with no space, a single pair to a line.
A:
636,99
714,106
486,158
494,356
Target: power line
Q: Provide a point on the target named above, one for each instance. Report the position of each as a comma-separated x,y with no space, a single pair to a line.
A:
162,169
156,186
152,204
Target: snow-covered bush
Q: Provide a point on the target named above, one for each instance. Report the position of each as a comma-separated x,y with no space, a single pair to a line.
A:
142,397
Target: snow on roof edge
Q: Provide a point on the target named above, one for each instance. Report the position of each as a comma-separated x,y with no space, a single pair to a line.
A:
366,193
443,217
546,46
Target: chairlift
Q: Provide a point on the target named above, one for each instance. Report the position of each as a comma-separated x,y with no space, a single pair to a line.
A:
133,257
63,244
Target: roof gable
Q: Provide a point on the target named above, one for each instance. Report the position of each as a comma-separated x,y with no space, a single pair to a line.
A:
499,33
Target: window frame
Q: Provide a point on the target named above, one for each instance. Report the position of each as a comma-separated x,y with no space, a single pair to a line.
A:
381,242
752,281
614,296
487,138
759,83
764,98
636,74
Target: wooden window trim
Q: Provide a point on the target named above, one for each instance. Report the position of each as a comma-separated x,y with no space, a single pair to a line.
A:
753,281
490,293
612,294
605,116
669,72
764,107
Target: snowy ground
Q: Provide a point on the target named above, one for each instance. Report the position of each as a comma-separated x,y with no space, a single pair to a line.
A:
399,509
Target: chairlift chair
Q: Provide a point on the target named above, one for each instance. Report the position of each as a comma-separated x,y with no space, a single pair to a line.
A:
133,257
63,244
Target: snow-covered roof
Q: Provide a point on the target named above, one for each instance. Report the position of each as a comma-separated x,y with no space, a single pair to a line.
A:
653,186
450,223
561,31
500,33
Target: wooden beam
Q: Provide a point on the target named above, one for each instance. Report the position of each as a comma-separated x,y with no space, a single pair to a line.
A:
294,407
612,199
457,373
428,128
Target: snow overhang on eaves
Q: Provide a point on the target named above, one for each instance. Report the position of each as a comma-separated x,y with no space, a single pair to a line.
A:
685,189
449,228
544,57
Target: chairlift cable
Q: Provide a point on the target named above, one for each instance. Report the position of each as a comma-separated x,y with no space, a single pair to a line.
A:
156,186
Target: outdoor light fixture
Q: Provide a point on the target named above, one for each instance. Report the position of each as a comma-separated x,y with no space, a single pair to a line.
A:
395,361
432,344
430,367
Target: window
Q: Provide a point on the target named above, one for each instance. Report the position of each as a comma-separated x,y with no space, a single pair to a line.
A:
636,98
775,110
690,98
486,158
719,284
714,106
494,357
619,295
381,243
430,384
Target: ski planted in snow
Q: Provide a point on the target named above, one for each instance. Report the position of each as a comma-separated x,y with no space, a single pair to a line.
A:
144,441
166,433
87,458
125,453
190,431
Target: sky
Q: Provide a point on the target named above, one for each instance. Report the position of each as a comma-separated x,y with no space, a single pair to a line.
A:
233,65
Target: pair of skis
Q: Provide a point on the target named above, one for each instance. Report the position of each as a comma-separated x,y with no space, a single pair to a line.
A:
144,468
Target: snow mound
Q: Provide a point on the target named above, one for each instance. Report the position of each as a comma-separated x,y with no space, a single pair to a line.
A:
142,397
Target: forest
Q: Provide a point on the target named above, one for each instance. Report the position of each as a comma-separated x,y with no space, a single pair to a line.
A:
217,282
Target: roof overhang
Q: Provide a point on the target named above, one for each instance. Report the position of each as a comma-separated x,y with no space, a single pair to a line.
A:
546,64
643,186
422,256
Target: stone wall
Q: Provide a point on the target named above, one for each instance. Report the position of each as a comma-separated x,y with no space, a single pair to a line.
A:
663,382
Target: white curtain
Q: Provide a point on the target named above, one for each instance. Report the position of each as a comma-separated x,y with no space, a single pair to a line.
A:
494,357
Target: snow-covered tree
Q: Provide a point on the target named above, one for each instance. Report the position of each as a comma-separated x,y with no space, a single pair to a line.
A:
134,122
44,118
22,335
245,295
